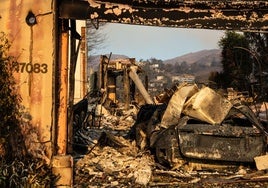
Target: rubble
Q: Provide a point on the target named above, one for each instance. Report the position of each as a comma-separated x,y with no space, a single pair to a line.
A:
191,137
122,165
207,127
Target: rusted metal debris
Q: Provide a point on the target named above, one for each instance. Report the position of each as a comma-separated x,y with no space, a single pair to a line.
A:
123,165
192,123
189,138
200,124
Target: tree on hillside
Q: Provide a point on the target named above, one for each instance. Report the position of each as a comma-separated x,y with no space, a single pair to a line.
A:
237,63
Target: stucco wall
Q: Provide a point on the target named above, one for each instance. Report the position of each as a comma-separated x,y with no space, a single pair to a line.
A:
32,47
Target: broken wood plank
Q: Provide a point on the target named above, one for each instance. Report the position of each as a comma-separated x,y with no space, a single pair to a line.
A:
172,173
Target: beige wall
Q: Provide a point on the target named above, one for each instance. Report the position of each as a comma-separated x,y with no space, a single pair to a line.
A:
79,77
33,47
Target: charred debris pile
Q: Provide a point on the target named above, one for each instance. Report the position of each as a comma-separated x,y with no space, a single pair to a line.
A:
188,135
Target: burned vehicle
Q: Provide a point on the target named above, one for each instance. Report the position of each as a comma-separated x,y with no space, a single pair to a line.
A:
193,124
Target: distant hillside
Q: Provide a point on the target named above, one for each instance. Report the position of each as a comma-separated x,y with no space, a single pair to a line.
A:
200,63
203,56
200,57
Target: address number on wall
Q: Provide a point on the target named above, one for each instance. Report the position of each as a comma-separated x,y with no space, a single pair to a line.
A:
31,67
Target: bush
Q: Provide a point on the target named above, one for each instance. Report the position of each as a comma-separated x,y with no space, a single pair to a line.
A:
9,102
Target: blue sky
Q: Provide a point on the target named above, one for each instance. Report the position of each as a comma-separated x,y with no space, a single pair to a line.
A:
144,42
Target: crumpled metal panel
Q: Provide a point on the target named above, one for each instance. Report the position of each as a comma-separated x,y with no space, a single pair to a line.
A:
232,132
208,106
224,143
247,112
176,104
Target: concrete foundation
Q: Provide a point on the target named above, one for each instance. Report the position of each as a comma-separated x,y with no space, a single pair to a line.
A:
62,166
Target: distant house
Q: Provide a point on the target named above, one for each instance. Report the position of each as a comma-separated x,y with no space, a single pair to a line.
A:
183,78
155,67
157,84
159,77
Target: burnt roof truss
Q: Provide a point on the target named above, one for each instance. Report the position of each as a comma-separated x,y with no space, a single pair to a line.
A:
244,15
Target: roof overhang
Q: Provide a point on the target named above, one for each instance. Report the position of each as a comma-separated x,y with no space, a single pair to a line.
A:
243,15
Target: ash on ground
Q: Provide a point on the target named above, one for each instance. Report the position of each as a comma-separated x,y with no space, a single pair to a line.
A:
106,157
